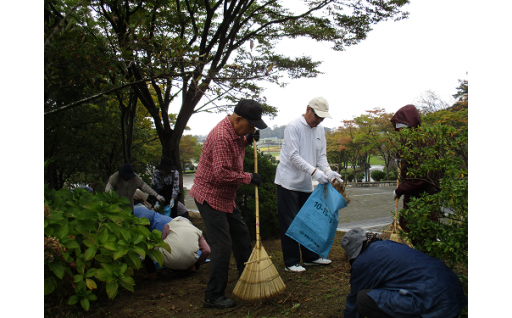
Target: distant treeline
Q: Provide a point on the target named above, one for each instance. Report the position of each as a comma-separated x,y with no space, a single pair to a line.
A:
278,131
269,132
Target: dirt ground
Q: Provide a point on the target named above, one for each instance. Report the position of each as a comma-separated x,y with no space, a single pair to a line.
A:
319,292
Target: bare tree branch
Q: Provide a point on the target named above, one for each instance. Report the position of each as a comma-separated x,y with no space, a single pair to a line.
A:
96,96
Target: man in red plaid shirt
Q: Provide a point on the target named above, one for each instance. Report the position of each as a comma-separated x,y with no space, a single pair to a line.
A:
218,176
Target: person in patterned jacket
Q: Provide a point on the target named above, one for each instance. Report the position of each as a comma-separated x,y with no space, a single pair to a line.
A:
166,181
219,174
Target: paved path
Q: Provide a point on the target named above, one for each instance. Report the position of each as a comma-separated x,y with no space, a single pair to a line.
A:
370,207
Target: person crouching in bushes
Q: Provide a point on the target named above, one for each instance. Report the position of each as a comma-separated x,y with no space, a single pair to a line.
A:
389,279
145,199
185,240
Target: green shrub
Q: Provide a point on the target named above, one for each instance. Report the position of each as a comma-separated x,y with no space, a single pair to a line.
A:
378,175
267,192
438,151
359,176
92,244
393,175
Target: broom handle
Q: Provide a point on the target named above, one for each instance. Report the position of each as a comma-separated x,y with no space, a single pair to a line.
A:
397,184
257,200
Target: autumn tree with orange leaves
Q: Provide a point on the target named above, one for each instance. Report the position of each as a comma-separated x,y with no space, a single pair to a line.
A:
342,147
374,127
337,150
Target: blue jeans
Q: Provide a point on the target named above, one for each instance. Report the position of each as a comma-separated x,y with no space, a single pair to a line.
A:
289,204
226,232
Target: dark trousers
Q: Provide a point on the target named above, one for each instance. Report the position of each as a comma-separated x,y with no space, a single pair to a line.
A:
369,309
167,194
226,232
367,306
289,204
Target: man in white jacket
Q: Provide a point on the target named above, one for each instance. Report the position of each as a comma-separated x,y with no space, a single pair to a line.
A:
303,156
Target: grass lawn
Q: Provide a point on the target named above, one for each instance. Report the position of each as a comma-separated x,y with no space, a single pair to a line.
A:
376,161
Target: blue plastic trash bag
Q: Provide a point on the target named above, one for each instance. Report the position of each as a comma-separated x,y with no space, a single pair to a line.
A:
315,225
167,210
157,266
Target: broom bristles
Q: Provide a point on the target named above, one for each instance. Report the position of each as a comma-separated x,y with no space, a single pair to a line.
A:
260,279
393,231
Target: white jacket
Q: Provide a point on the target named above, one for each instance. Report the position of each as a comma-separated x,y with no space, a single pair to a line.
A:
302,152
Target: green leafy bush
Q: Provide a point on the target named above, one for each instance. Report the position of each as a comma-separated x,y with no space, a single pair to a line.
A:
438,151
92,245
267,192
359,176
378,175
393,175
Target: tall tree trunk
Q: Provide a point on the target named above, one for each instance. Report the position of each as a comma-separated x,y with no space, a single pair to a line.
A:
368,166
60,179
51,176
128,113
386,165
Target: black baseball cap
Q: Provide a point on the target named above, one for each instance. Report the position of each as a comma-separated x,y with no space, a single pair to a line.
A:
126,171
251,110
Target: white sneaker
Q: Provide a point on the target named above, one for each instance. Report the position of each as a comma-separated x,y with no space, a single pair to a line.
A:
295,268
320,261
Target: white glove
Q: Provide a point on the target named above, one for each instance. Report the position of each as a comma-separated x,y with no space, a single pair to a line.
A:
160,198
333,175
321,177
340,180
172,203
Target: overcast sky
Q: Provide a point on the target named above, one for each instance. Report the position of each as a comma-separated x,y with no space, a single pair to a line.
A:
393,67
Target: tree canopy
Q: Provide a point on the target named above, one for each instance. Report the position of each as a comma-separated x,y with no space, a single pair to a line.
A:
209,53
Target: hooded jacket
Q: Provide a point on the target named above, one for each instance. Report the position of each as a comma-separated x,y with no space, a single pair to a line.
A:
407,115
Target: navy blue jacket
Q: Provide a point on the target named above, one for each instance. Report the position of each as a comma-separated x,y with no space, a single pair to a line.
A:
405,283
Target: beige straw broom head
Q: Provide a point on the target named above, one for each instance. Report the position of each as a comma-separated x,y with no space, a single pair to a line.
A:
260,279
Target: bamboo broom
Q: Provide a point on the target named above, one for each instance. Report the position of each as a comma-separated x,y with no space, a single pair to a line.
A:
260,279
393,229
